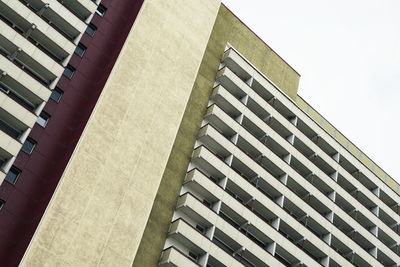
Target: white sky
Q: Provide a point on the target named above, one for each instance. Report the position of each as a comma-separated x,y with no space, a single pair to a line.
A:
348,54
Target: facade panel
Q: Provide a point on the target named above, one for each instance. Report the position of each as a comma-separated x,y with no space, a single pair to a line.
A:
127,141
163,133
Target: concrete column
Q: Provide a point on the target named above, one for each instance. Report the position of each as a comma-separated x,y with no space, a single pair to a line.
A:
288,158
223,182
325,261
291,139
271,248
217,206
244,100
327,238
332,196
7,165
294,120
210,232
374,230
239,119
330,216
377,191
276,223
374,252
335,176
235,138
39,108
284,178
203,259
280,200
336,157
24,135
249,82
229,159
375,210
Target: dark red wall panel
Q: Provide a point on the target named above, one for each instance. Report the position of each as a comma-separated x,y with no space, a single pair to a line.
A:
27,200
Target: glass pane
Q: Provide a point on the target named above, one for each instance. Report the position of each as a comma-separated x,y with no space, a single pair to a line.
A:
91,29
56,95
42,121
68,71
80,50
12,175
28,146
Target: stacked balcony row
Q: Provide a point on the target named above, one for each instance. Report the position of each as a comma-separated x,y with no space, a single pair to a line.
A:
284,149
289,121
37,40
266,187
298,162
287,109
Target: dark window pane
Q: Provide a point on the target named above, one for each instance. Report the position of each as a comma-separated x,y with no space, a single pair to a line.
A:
56,94
29,145
69,71
80,50
91,29
101,10
43,119
12,175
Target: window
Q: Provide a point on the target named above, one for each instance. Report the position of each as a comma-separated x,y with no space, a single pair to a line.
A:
91,29
29,145
80,50
13,175
43,119
2,202
56,94
69,71
101,10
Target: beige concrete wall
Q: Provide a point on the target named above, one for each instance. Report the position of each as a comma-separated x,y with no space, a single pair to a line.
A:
99,211
227,29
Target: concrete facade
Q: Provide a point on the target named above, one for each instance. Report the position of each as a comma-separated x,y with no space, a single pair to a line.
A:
117,166
197,151
265,180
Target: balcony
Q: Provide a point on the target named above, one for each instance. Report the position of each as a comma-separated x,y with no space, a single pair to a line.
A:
192,240
22,18
10,125
172,257
52,18
25,62
83,9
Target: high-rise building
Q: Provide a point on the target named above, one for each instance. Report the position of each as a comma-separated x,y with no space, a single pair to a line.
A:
167,133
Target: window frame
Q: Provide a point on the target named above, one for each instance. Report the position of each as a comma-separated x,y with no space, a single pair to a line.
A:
46,120
93,27
18,174
60,93
33,142
102,11
72,70
82,47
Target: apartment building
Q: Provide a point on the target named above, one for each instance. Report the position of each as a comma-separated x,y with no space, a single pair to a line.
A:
52,72
167,133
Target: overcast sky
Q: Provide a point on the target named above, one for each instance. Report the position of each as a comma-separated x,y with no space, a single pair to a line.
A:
348,55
